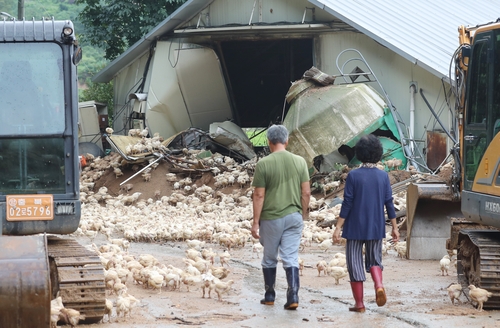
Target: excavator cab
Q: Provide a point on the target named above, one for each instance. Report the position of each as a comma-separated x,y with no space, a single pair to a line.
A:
475,236
39,177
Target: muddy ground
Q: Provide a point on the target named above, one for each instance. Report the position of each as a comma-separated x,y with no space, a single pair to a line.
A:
416,290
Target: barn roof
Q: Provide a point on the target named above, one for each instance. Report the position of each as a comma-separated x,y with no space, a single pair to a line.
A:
424,32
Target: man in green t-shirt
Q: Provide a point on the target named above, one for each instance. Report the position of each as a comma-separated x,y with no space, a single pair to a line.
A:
280,203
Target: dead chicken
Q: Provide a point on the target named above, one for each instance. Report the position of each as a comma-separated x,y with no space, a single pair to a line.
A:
70,316
55,310
117,172
126,187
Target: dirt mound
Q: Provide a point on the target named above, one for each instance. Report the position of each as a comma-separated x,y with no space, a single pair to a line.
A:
157,184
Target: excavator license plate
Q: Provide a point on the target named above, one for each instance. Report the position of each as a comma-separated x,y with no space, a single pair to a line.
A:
30,207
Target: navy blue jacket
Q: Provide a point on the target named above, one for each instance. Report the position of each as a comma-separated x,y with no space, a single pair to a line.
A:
366,192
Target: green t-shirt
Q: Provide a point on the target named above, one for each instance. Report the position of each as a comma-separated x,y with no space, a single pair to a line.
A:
281,174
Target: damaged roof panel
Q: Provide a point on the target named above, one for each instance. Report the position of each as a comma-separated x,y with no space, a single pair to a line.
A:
423,32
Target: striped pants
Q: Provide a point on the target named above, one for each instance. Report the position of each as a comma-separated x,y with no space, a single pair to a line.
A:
354,257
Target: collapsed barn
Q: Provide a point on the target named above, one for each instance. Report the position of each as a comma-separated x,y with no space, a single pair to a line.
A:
213,61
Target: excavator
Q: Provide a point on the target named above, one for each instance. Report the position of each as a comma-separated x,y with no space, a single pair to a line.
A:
468,205
39,177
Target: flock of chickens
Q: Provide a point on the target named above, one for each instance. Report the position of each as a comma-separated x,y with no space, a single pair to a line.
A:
209,222
476,294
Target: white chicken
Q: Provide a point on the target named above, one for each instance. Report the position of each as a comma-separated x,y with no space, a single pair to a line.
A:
326,244
224,258
108,310
192,254
189,280
257,248
222,287
208,254
208,280
479,295
219,272
400,248
454,291
148,260
444,264
301,266
321,266
124,304
195,243
336,272
155,281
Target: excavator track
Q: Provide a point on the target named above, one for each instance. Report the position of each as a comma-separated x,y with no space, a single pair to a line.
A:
78,275
478,262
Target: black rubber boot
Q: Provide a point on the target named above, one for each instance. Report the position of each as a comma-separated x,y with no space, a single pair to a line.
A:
269,282
292,293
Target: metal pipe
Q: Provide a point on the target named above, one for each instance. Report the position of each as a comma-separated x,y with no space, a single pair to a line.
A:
436,116
145,167
258,27
199,20
413,91
253,9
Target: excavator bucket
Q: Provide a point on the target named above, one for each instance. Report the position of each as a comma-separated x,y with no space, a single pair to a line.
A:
24,282
430,209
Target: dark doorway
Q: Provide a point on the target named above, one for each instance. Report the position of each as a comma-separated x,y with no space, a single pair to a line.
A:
260,74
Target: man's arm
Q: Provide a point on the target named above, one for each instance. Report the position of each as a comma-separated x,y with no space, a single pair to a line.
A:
304,199
258,203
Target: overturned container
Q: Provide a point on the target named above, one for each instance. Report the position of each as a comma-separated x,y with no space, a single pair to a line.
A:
322,119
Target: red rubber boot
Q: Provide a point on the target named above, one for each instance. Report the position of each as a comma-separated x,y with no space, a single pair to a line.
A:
357,292
381,298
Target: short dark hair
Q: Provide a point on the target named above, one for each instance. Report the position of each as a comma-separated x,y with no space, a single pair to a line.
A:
369,149
277,134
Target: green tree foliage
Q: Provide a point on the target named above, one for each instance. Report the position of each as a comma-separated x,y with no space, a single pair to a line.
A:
99,92
116,25
93,56
9,7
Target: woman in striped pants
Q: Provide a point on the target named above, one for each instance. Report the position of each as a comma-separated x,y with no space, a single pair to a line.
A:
367,192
